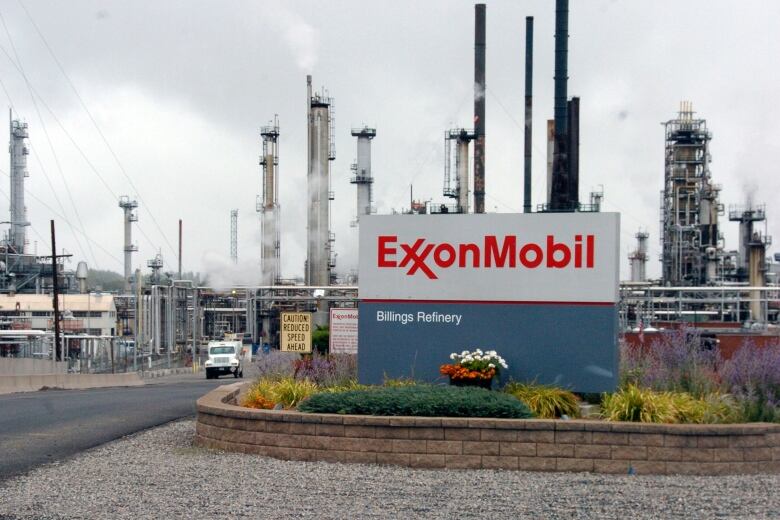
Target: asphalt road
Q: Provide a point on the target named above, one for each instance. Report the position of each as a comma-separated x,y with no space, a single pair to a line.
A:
45,426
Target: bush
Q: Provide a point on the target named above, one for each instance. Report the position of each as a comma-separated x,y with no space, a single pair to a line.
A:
547,402
320,340
677,361
275,365
418,400
332,370
288,392
753,376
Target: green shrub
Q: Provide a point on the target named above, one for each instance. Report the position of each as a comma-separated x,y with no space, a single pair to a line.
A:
418,400
285,391
546,402
320,339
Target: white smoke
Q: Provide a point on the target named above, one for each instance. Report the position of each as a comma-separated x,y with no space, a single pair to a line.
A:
479,91
301,37
749,189
224,274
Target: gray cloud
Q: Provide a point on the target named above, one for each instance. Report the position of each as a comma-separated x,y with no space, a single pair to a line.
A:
180,90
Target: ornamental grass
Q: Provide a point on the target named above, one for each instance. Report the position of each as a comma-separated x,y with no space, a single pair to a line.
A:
546,402
267,393
643,405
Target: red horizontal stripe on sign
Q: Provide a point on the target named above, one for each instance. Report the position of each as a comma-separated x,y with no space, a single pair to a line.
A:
491,302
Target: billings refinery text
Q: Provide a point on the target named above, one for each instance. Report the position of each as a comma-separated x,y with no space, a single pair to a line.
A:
509,251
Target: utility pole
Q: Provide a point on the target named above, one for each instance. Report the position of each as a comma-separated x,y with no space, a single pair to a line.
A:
56,302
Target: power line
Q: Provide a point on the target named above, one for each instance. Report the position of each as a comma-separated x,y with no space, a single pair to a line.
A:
51,146
97,127
423,162
59,123
62,217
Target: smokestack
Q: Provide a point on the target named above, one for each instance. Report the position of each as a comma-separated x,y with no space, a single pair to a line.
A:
573,149
559,200
529,80
479,108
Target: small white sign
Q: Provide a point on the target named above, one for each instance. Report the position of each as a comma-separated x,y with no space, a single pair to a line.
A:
343,331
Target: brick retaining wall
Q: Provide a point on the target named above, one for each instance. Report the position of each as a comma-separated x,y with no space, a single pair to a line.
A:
517,444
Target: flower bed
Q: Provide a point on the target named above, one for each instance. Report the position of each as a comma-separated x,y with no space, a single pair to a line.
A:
519,444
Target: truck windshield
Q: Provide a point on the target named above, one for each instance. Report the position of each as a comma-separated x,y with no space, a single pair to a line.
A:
222,350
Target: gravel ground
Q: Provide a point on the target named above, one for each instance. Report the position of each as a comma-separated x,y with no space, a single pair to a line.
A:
158,474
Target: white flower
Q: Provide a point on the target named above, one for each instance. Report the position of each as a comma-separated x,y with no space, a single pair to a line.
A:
478,351
453,356
504,365
491,365
464,353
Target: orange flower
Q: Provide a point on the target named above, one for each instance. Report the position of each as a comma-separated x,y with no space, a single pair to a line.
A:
458,372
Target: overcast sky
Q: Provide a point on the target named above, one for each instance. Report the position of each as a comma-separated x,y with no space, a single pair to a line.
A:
179,90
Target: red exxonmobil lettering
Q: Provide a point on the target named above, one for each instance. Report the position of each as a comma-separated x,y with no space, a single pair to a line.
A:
504,252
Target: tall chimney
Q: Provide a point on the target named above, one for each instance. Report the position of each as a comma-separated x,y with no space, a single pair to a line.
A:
573,149
529,80
559,200
479,108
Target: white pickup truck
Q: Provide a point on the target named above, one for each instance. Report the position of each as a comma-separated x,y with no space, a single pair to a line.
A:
225,357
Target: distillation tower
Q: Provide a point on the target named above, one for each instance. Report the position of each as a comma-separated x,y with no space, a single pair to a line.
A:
268,207
691,241
234,236
130,215
751,262
361,172
750,236
18,151
638,258
320,258
456,143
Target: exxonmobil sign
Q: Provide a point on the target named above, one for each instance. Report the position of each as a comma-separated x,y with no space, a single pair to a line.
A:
553,257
